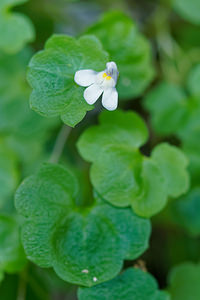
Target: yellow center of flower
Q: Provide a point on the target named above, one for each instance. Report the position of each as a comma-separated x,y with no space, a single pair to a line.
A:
107,77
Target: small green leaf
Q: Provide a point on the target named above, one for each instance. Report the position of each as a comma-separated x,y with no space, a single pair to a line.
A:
84,245
133,56
12,257
132,284
116,128
116,174
151,200
172,163
184,281
16,29
51,75
188,10
168,107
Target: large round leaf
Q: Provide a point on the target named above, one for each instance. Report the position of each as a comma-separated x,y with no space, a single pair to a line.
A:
51,75
85,245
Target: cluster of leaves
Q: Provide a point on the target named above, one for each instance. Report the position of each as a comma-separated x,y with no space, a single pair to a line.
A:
51,71
22,137
22,132
175,111
87,244
121,174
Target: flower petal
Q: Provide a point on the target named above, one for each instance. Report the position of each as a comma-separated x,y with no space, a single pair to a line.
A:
92,93
85,77
110,99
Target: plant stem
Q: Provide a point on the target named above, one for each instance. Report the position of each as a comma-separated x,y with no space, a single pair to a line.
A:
60,143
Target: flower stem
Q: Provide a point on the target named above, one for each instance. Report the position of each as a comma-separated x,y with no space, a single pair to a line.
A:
59,144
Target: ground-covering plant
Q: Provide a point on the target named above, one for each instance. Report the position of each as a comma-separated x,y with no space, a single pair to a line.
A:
99,150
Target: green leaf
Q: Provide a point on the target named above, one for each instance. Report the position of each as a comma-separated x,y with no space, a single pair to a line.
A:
16,29
116,174
116,128
132,284
193,81
133,56
125,177
151,200
184,281
84,245
172,163
186,210
188,10
51,75
12,257
9,175
168,108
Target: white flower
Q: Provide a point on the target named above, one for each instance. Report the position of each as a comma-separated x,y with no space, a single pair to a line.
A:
100,83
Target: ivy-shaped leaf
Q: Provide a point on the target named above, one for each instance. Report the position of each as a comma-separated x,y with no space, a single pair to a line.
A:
84,245
132,284
12,257
8,173
116,128
188,10
16,29
132,54
121,174
51,75
184,281
168,107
